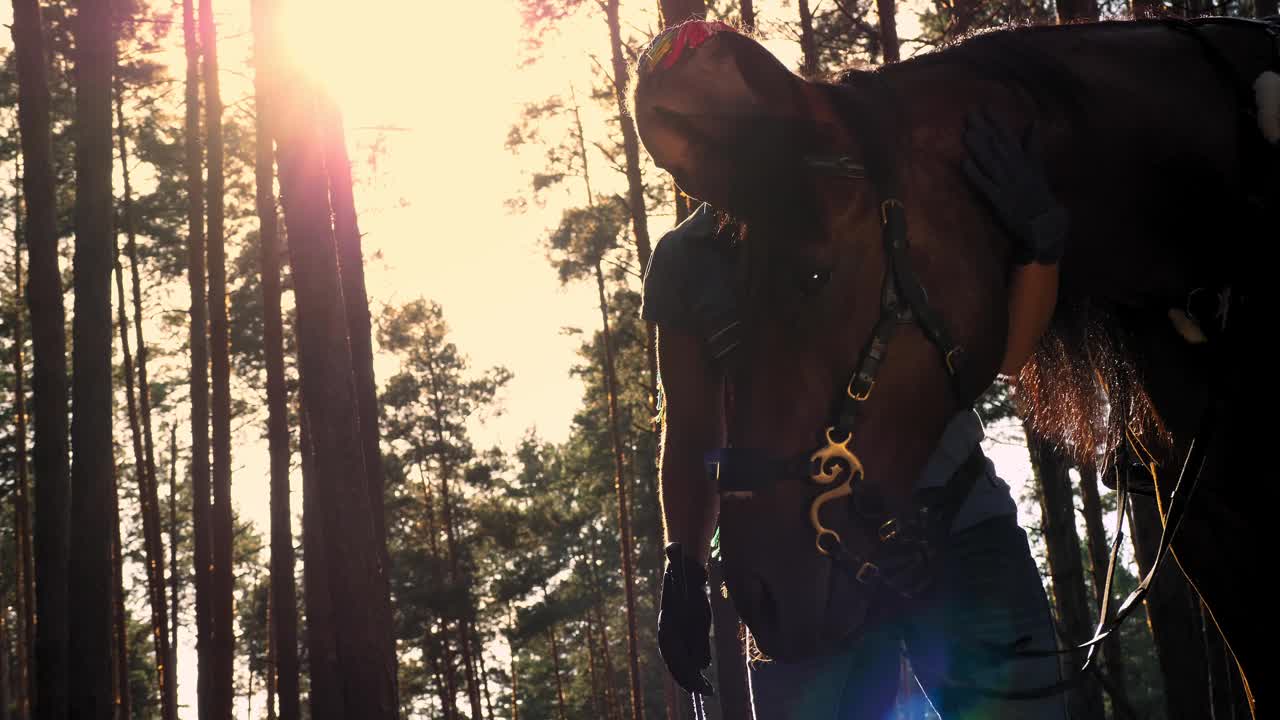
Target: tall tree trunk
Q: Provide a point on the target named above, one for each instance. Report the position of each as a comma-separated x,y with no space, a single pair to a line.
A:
635,183
456,578
612,706
731,662
92,462
593,674
808,46
356,299
1099,560
1063,547
449,666
322,654
271,660
748,15
1264,8
173,552
24,590
119,616
624,516
221,581
886,10
555,667
199,343
284,602
431,651
144,458
51,456
362,627
437,642
1173,614
6,690
515,683
484,676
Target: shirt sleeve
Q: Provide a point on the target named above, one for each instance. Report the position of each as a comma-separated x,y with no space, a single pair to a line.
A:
665,298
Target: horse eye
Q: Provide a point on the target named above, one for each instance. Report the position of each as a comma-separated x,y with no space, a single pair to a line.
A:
811,282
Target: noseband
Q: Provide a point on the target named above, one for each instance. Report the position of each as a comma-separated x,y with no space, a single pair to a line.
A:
834,464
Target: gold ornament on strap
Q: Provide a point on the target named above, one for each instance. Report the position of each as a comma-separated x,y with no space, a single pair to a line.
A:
835,464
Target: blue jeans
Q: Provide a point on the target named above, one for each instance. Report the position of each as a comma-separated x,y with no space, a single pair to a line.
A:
987,590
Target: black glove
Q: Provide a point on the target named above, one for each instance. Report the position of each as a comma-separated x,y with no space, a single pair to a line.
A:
1012,178
684,622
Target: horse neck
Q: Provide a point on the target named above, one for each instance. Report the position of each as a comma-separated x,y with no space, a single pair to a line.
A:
1147,160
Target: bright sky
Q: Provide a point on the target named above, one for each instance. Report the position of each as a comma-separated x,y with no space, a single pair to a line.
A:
440,84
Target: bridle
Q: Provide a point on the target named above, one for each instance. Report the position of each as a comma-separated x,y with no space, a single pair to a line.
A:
903,543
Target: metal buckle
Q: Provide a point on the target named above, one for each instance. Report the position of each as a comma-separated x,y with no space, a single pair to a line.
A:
867,573
859,397
889,530
884,209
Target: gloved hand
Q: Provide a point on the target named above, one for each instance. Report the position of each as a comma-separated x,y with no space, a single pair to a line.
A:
684,621
1011,176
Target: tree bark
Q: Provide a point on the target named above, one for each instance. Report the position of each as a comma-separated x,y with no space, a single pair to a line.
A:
6,690
362,628
886,10
1099,560
221,582
119,617
1264,8
200,477
24,577
326,688
173,552
284,596
89,697
748,15
624,516
808,46
271,661
356,299
731,662
1173,615
51,451
1063,547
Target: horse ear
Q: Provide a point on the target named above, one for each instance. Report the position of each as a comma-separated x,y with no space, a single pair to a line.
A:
708,102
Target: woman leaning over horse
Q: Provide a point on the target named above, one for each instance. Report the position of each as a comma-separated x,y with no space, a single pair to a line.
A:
987,590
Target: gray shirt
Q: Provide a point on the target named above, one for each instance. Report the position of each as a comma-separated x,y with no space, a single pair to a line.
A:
688,285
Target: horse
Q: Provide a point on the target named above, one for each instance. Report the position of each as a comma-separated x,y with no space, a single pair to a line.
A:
849,204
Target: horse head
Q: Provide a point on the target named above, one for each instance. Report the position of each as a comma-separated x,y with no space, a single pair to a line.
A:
816,178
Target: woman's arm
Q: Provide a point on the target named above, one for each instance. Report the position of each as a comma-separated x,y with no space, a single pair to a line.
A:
692,425
1011,176
1033,293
